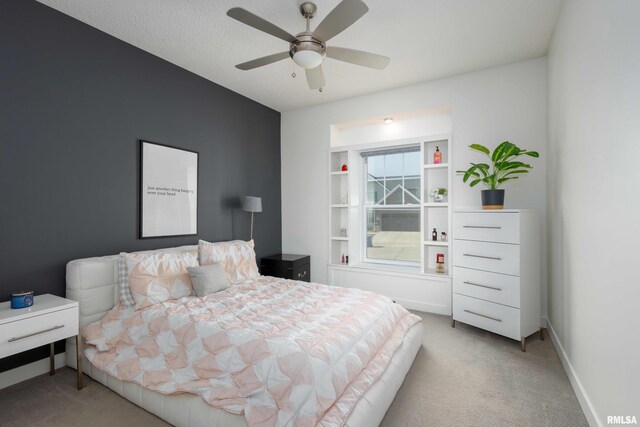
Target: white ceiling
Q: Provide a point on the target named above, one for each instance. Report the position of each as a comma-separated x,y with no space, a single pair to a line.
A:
425,39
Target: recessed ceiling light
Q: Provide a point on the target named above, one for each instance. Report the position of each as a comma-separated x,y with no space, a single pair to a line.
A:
388,120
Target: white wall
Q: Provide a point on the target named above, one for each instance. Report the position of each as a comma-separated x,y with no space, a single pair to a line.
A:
374,131
487,107
594,201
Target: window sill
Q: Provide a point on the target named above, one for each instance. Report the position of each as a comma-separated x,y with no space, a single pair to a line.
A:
388,267
396,270
381,267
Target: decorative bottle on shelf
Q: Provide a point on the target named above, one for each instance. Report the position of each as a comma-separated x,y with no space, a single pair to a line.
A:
434,235
437,156
343,258
440,263
443,237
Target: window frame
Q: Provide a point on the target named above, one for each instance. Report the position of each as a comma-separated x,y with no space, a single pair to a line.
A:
364,206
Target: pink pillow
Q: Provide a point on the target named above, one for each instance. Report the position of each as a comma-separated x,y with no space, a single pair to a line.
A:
237,255
159,276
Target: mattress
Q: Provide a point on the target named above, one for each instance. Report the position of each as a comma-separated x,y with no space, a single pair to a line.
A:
92,282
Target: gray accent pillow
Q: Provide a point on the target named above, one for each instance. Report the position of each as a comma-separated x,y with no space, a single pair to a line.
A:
208,279
126,298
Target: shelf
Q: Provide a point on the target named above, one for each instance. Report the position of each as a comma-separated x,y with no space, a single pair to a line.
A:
436,205
344,239
340,173
340,206
438,166
435,243
432,272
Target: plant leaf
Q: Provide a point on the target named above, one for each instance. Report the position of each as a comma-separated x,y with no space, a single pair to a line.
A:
497,153
470,173
531,153
510,153
513,172
482,168
480,148
475,182
513,165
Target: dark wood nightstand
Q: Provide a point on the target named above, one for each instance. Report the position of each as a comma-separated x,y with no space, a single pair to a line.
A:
287,266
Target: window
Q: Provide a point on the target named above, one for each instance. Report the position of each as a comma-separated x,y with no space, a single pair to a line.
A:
392,205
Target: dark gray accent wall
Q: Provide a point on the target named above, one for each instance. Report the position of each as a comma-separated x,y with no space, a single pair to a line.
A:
74,102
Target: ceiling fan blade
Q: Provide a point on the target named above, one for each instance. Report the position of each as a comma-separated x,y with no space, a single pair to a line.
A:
265,60
315,77
258,23
340,18
358,57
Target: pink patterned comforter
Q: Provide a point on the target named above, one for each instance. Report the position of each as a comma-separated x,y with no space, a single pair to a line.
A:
284,353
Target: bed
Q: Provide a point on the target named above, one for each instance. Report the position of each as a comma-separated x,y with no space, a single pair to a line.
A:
93,283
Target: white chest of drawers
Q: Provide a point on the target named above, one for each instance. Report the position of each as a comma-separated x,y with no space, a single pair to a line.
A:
496,271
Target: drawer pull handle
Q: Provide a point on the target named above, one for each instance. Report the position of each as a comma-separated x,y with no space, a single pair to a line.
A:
484,256
483,286
490,227
483,315
36,333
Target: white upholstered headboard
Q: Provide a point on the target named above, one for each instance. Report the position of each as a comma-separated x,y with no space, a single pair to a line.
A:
93,282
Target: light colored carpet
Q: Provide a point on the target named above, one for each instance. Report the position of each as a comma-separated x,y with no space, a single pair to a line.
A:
461,377
465,376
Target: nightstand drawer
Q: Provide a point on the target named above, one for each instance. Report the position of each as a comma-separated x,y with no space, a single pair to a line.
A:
27,333
490,316
495,257
487,227
494,287
287,266
301,272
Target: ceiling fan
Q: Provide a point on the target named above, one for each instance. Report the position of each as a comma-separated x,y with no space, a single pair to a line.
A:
308,48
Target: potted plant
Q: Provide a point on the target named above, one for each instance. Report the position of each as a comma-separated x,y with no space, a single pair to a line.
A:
438,194
502,166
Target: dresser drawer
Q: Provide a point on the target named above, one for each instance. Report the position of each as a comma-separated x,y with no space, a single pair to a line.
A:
487,227
495,257
493,317
25,334
494,287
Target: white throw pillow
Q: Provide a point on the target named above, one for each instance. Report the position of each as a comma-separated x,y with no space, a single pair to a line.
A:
237,255
208,279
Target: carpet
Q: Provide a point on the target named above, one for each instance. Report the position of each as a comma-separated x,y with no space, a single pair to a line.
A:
462,376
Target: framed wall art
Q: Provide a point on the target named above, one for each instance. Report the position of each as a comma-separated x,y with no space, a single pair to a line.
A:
168,191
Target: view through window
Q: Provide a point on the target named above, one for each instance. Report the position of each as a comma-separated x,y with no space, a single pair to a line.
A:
392,205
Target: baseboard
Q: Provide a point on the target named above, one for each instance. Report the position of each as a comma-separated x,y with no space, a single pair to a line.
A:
581,394
25,372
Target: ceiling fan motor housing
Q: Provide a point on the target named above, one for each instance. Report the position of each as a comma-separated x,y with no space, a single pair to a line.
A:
308,9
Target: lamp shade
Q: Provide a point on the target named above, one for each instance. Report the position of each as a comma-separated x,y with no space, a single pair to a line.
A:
252,204
307,59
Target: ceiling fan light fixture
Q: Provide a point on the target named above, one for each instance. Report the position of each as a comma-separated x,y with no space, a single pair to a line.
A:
309,48
307,59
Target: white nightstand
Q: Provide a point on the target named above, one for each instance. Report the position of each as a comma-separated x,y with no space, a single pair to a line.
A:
48,320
